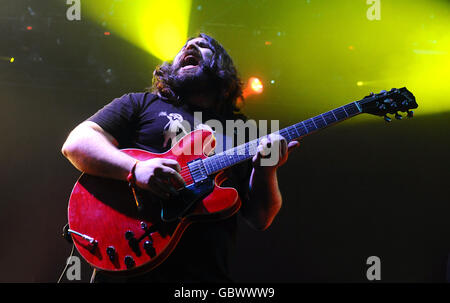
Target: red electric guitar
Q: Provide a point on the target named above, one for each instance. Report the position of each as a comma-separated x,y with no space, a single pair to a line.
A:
120,231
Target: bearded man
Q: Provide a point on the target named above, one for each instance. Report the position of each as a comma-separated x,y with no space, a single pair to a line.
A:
201,78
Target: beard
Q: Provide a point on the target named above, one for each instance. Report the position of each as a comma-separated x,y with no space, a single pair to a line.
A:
195,80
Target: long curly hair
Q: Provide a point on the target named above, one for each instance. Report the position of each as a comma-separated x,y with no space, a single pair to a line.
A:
225,78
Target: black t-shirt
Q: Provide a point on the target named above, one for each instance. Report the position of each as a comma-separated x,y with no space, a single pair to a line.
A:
145,121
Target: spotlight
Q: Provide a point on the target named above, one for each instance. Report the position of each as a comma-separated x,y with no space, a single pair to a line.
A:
254,86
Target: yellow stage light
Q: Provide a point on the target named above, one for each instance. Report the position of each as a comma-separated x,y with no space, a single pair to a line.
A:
158,27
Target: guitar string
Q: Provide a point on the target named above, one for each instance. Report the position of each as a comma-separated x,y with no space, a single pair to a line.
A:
250,146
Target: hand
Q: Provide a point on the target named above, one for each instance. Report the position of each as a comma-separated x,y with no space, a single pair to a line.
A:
266,150
159,176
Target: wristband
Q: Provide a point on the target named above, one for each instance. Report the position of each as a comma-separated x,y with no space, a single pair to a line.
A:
131,178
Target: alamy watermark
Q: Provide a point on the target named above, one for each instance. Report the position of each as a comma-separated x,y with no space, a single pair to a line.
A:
373,272
73,268
374,11
235,138
74,10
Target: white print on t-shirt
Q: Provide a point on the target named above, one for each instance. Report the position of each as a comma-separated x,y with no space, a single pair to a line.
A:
177,128
172,128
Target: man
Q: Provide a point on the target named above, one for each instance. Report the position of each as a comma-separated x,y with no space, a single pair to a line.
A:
201,78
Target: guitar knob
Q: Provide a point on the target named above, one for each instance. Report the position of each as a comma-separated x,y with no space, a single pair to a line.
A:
111,252
148,245
129,261
129,235
398,116
149,249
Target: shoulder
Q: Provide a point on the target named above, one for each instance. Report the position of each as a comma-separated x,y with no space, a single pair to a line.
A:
142,98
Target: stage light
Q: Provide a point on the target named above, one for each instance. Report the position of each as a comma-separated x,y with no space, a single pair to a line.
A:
12,60
158,27
107,33
29,28
256,85
359,83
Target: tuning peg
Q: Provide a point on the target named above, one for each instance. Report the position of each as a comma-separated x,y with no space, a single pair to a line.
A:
398,116
387,119
410,113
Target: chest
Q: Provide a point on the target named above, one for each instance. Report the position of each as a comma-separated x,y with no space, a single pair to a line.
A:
159,127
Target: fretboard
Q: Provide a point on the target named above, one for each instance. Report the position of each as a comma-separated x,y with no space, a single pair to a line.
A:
246,151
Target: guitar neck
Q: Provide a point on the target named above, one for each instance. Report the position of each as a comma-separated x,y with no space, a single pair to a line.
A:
243,152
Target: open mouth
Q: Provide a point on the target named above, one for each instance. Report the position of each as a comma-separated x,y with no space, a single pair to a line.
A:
190,61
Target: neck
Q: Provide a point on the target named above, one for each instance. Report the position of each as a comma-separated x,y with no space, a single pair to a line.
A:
299,130
202,102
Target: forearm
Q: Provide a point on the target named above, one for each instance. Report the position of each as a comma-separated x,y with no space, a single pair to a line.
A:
92,151
264,199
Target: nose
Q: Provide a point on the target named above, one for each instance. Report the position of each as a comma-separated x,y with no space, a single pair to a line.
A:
192,45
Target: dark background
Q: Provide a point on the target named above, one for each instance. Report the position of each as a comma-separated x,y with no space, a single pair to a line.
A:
362,188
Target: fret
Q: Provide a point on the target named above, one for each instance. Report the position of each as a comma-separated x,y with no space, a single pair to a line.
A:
352,109
309,125
329,117
246,151
339,113
300,128
319,121
293,133
285,133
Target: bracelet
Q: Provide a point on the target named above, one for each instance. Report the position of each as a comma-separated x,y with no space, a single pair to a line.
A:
131,178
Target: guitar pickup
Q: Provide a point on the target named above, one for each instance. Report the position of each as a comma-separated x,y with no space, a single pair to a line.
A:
197,171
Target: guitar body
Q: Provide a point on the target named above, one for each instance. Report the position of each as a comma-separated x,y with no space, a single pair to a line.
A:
130,240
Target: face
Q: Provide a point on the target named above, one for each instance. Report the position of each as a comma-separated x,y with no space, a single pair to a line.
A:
190,62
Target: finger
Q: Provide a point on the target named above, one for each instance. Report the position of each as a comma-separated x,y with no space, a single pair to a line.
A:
265,142
164,185
263,151
257,157
158,189
292,145
171,174
171,163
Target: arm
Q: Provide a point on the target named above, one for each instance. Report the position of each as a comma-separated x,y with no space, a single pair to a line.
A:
94,151
264,197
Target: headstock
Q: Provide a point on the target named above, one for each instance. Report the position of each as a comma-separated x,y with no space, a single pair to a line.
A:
389,102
